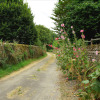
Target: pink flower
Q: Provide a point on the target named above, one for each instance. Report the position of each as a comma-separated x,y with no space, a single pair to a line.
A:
66,78
77,56
93,60
96,52
71,26
64,32
58,55
56,48
74,48
50,45
83,36
73,43
81,31
61,30
56,38
62,25
79,49
62,37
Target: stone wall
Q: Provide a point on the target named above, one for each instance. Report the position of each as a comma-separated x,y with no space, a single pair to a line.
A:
14,53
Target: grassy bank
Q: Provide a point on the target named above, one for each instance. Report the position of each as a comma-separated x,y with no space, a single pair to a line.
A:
12,68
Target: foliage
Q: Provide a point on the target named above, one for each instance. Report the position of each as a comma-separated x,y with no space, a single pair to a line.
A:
16,22
82,14
15,53
74,62
11,68
46,36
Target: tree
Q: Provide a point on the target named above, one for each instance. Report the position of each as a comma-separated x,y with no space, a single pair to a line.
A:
82,14
46,36
16,22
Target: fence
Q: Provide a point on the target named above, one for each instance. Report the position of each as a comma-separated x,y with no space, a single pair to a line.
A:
92,49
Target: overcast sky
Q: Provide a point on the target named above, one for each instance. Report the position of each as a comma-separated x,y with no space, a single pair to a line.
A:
42,10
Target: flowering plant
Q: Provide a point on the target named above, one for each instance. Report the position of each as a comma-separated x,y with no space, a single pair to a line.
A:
74,61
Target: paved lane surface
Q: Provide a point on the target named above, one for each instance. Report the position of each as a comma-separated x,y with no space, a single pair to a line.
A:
38,81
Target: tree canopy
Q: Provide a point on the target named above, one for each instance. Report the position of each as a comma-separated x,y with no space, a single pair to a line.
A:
46,36
81,14
16,22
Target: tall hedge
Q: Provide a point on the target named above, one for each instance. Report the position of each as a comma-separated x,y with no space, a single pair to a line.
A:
16,22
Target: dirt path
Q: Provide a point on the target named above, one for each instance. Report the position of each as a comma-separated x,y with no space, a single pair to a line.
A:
38,81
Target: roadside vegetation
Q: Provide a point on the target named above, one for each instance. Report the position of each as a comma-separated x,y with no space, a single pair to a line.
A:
77,21
16,67
21,41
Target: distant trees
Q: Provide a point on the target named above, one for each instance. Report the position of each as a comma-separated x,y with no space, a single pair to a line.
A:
16,22
81,14
46,36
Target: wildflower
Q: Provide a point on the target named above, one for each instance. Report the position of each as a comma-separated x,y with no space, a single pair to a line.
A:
83,36
50,45
61,30
74,49
77,56
56,38
93,60
96,52
64,32
71,26
62,37
56,48
58,55
66,78
81,31
79,49
62,25
73,43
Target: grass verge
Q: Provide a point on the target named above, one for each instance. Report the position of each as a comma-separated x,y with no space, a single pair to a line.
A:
12,68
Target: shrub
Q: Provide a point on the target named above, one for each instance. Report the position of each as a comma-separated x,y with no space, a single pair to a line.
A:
74,62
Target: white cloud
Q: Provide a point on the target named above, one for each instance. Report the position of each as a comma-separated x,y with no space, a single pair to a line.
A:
42,10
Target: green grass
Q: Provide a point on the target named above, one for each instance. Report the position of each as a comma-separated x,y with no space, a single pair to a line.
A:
12,68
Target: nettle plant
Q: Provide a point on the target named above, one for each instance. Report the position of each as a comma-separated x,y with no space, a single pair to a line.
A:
73,59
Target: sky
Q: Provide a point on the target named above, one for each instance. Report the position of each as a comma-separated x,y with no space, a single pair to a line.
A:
42,11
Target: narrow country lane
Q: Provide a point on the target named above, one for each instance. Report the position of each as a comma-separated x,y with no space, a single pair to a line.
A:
39,81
